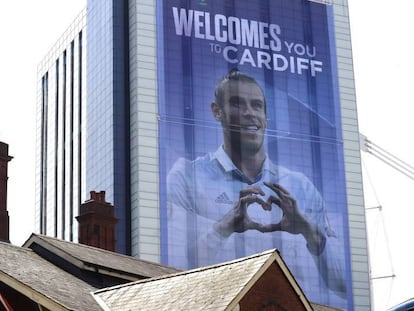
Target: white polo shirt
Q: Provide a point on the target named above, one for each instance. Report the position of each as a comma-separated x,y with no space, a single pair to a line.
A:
201,192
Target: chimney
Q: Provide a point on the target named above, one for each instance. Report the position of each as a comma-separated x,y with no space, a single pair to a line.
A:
4,214
97,222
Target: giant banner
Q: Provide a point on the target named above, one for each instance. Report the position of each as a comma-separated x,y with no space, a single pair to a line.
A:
251,154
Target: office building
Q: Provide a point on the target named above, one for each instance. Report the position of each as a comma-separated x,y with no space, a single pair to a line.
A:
125,107
60,141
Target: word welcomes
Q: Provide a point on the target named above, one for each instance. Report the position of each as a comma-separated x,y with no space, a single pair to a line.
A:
247,42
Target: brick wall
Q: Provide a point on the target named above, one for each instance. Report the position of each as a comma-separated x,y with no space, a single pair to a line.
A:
271,292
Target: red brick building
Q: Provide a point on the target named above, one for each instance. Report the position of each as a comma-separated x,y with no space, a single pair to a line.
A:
97,222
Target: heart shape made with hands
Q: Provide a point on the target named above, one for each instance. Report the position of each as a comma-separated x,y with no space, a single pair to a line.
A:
257,213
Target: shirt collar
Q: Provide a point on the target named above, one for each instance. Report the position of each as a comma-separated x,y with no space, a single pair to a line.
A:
227,164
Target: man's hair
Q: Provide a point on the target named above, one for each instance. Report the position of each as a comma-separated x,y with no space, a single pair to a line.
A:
234,75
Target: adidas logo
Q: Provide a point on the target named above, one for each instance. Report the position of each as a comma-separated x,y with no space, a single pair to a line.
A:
223,199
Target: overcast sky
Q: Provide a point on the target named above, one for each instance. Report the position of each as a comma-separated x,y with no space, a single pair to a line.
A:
28,29
382,47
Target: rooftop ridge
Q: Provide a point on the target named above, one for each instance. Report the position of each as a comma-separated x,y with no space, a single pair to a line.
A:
132,258
193,271
15,246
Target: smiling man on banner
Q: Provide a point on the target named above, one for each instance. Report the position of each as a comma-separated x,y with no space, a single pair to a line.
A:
235,202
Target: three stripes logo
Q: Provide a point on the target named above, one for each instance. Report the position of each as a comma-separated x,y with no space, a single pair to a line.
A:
223,199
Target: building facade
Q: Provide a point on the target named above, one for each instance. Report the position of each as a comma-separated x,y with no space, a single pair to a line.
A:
107,122
60,132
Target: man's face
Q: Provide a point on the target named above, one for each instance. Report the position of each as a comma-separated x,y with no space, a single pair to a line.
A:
243,116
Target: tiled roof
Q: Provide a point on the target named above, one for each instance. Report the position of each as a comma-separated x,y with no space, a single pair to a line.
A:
211,288
218,287
25,271
91,257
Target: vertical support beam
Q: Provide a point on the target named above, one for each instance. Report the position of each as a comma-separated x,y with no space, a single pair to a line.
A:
4,215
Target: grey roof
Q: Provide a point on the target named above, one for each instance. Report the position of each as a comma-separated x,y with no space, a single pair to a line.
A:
41,281
91,258
218,287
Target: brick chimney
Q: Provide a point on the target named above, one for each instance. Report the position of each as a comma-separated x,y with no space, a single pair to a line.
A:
97,222
4,214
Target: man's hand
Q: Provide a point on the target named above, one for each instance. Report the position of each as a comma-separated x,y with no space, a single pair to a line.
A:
237,219
293,221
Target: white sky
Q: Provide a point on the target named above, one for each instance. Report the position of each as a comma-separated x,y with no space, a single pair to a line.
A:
28,29
382,46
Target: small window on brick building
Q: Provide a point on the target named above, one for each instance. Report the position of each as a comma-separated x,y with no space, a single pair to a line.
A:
96,229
